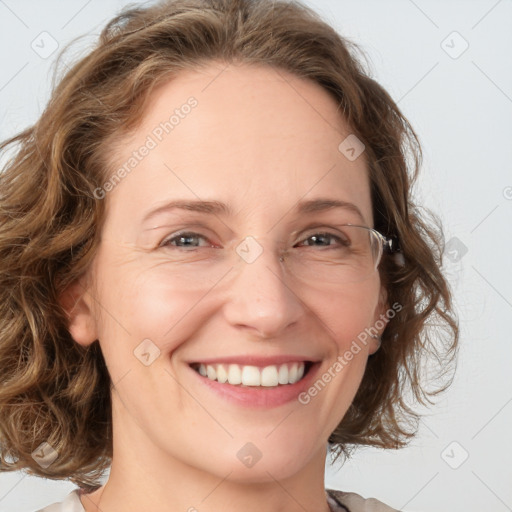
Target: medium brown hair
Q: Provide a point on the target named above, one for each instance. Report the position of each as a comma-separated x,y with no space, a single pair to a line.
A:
53,389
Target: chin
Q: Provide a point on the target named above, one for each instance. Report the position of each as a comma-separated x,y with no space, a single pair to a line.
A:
261,461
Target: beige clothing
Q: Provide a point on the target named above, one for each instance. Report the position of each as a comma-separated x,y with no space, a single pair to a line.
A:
352,502
338,502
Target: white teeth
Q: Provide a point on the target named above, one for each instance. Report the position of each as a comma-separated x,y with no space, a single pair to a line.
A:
283,374
292,373
211,373
269,376
222,374
251,376
234,374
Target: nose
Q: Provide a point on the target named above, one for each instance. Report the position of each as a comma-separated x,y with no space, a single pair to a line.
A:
259,299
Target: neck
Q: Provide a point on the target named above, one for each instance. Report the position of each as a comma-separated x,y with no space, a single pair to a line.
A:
207,495
191,490
145,478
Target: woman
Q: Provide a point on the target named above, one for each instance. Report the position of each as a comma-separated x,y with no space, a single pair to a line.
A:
212,267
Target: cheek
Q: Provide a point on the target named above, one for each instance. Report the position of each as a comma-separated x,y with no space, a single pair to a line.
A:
137,304
149,304
347,314
342,316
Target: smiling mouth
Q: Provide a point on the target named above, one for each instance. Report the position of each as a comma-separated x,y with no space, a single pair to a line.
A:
246,375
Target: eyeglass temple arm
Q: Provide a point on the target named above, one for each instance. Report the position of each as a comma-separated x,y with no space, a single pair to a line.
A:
391,244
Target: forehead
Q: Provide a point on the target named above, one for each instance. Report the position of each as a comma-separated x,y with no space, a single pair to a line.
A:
256,135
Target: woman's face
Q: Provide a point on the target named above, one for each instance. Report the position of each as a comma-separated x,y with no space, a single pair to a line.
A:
262,142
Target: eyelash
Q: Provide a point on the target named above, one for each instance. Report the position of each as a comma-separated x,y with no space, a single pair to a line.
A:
190,234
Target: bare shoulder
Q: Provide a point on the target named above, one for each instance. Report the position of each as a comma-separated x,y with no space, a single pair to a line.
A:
356,503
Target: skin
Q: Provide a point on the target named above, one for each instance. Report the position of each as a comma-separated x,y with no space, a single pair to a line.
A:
259,140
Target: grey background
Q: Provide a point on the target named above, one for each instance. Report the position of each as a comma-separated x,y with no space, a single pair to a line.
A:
460,103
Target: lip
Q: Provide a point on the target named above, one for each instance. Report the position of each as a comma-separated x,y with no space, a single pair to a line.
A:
257,397
261,361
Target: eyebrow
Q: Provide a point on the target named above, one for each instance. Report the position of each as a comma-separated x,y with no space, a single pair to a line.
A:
220,208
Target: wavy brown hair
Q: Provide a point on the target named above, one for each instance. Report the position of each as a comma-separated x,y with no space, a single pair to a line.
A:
55,390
